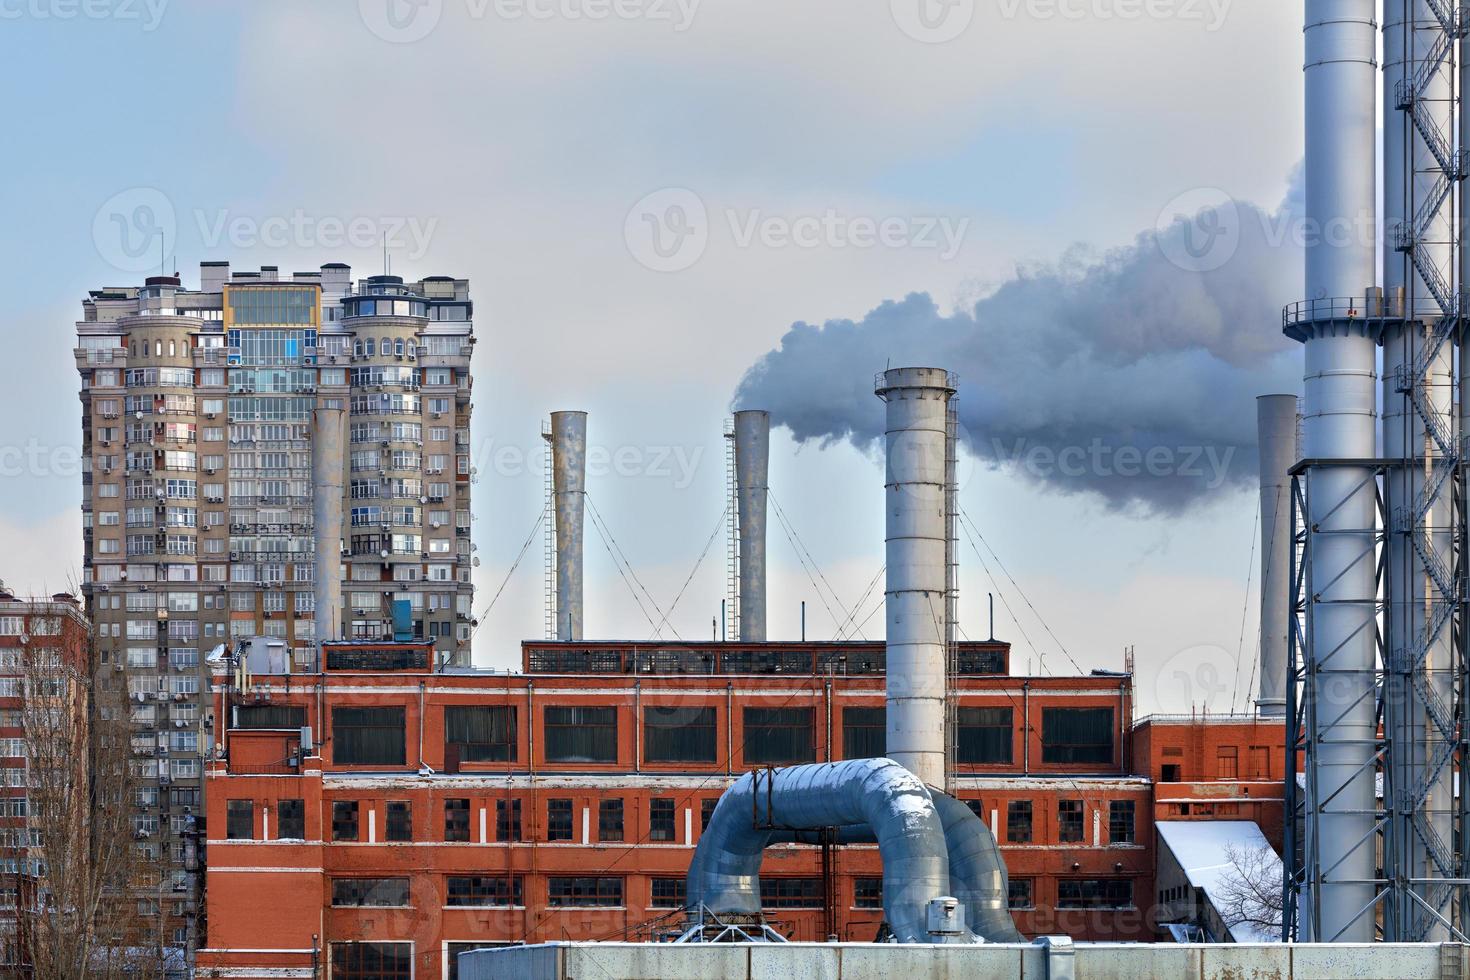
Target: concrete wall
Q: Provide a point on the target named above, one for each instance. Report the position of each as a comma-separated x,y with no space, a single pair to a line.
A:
1101,961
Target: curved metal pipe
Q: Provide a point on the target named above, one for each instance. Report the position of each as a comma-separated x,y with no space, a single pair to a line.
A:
977,874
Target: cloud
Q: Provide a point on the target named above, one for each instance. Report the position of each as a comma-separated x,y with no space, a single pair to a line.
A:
1129,375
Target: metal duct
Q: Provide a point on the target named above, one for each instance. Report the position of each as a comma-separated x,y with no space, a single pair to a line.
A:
724,875
1276,423
569,488
752,475
327,466
917,541
977,874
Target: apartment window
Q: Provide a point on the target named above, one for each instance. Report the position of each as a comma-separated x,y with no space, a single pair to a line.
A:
864,733
1120,821
1227,762
791,893
778,736
679,734
596,892
290,820
1069,821
481,891
368,736
456,820
661,819
239,819
399,821
983,736
1021,893
344,820
482,732
1077,735
373,892
867,893
507,820
610,820
372,961
558,820
1018,822
581,734
1094,893
668,893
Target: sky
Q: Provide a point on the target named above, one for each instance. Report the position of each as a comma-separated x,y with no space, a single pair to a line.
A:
650,198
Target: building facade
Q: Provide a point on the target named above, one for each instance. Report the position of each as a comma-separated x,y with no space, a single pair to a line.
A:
197,409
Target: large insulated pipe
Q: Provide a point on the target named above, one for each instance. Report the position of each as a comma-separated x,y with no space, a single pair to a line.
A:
1339,424
752,474
724,875
327,475
569,493
915,508
1276,422
977,874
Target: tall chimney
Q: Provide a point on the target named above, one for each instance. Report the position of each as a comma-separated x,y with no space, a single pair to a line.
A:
752,475
569,490
916,519
327,465
1276,420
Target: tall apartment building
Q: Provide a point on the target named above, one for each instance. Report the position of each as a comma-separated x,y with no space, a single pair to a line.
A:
197,496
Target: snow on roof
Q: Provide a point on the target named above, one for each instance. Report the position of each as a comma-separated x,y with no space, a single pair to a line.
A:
1201,848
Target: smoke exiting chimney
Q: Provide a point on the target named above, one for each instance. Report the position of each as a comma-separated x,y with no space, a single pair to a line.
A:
327,466
752,475
1276,418
569,488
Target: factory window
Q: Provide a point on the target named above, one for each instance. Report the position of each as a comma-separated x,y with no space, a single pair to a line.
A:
1120,821
270,716
1069,821
290,820
375,892
507,820
344,820
372,961
1094,893
1169,774
661,819
595,892
482,732
456,820
983,736
581,734
239,819
864,733
610,820
707,810
791,893
479,891
399,821
1021,894
667,893
1077,735
679,734
1018,822
368,736
558,820
867,893
1260,762
1227,762
778,736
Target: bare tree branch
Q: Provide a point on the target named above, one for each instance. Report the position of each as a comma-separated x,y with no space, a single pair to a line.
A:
1250,892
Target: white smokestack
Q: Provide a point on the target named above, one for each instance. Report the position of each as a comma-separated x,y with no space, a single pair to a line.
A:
569,487
1276,422
327,466
752,475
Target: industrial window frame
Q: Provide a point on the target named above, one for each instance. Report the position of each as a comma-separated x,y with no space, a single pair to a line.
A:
706,811
559,819
867,893
483,732
508,821
484,891
398,821
610,820
792,893
369,735
675,734
239,820
1122,822
668,893
457,820
580,733
1020,822
1021,893
985,736
1089,737
258,716
778,736
291,819
1071,822
1094,893
864,732
590,891
344,820
378,893
662,814
372,960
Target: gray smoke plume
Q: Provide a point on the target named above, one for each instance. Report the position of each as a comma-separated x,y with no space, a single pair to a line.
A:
1131,375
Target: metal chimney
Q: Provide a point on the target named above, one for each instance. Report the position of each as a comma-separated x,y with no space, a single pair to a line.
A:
327,466
569,489
1276,421
915,511
752,475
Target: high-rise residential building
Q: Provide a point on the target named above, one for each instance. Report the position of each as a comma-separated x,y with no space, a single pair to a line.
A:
197,496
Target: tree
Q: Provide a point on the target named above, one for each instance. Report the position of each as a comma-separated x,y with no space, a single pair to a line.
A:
1250,891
